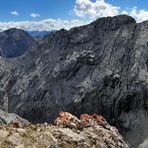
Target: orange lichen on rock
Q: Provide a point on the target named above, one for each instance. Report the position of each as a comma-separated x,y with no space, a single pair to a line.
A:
66,119
15,123
91,118
1,126
85,117
100,119
62,114
63,118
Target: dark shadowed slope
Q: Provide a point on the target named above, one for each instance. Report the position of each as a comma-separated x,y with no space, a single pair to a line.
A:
14,42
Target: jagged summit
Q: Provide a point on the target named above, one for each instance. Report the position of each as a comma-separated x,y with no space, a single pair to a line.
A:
114,22
14,30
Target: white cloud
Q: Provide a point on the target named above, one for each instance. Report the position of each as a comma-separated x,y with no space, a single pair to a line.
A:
94,10
124,12
34,15
139,15
100,8
48,24
15,13
83,9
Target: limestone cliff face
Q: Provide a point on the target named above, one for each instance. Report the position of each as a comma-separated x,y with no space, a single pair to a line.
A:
101,67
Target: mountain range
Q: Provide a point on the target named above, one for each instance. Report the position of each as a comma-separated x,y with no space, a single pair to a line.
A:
101,67
38,33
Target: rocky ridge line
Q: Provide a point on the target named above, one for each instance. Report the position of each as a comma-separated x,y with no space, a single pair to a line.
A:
90,131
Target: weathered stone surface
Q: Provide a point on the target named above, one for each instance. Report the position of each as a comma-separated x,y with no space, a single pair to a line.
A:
62,135
12,119
144,144
101,67
3,133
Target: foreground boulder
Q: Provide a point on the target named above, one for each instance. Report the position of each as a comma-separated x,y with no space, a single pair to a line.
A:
90,131
13,119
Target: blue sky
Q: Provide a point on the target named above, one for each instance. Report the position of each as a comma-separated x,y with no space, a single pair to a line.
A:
57,14
47,9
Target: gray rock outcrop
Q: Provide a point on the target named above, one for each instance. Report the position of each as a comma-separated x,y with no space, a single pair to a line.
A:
9,118
101,67
144,144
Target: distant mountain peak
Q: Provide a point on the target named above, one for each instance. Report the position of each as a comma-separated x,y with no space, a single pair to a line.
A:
14,42
39,33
